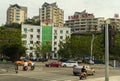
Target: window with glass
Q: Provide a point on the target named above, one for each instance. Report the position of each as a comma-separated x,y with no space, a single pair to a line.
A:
31,30
55,31
61,37
31,36
67,32
61,31
38,36
55,37
37,42
55,43
55,48
31,42
31,48
38,30
25,29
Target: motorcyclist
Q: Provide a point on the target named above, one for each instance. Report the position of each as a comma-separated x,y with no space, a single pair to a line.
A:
32,66
25,66
84,71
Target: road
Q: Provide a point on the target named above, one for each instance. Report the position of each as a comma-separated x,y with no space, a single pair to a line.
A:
42,73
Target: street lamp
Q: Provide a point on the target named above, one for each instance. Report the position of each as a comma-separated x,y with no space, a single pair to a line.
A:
106,53
93,37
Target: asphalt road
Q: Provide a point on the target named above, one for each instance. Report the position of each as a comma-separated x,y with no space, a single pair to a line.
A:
42,73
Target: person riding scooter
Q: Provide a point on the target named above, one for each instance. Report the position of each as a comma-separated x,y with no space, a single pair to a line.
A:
25,66
84,72
32,66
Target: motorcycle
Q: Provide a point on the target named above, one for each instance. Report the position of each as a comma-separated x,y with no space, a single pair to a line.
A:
25,68
32,67
82,76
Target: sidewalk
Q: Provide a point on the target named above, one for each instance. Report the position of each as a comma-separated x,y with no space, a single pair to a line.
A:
113,78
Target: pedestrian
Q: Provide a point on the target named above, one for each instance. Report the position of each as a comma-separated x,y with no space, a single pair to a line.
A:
16,68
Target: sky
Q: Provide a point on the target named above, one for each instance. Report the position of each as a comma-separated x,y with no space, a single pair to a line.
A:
100,8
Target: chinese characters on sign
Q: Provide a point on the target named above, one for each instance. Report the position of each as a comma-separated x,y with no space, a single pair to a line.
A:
85,15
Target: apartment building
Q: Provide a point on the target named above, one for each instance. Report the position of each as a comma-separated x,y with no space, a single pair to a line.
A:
52,14
115,22
16,14
45,35
83,21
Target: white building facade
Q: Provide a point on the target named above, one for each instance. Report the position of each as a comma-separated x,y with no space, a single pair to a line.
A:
43,34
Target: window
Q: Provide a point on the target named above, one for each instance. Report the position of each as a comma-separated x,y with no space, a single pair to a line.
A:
82,28
55,31
38,42
25,29
38,36
31,30
31,48
55,37
67,32
55,43
31,42
31,36
61,37
55,48
61,31
38,30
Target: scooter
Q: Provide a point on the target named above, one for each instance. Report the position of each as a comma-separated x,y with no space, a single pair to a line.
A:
25,68
32,67
82,76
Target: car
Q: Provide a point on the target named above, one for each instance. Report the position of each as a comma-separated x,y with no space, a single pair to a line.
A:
77,70
42,60
91,62
53,64
21,62
69,64
62,60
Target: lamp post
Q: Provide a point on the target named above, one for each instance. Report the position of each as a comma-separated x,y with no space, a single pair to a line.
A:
106,53
93,37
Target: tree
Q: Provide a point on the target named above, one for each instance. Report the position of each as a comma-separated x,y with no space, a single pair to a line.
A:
114,54
46,49
13,25
11,43
32,21
13,51
75,47
38,49
98,47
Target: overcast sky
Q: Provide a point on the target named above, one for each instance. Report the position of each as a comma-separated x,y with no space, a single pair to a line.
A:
100,8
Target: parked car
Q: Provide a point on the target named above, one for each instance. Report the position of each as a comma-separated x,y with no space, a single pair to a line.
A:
77,70
42,60
69,64
21,62
62,60
91,62
53,64
98,62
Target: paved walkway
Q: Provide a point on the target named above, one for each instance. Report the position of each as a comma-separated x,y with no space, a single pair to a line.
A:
113,78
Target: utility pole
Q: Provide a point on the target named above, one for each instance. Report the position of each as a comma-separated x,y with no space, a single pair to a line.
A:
106,53
92,46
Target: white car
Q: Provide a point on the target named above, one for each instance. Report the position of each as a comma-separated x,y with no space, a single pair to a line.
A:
69,64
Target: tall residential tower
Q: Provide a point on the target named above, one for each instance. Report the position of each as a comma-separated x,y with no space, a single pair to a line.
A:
16,14
51,13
